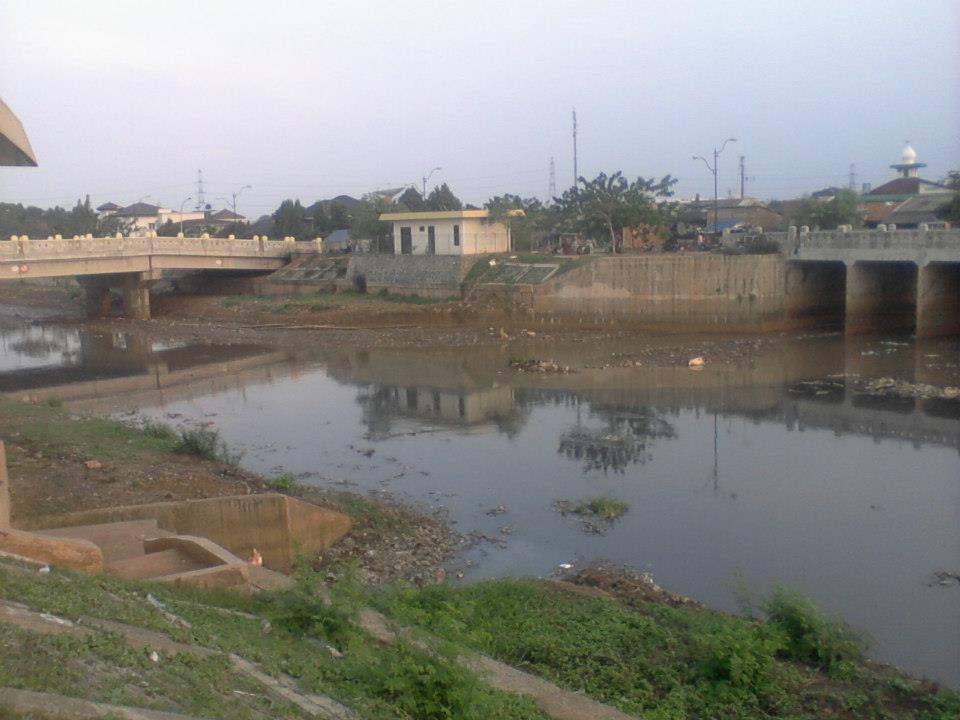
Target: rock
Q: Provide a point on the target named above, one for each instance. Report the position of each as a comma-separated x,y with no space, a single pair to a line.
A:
93,464
696,362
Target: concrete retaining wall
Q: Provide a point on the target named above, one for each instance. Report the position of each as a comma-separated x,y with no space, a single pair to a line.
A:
687,291
437,276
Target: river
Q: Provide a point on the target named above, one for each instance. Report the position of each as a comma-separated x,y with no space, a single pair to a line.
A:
760,470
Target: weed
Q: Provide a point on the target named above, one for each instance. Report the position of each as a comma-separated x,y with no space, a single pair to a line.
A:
159,430
603,507
811,636
53,402
206,443
284,483
740,655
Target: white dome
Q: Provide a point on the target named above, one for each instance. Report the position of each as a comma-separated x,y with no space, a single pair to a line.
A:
909,155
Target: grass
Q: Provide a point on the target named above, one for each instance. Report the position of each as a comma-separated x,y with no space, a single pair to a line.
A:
49,427
658,661
283,483
206,443
396,682
565,264
602,507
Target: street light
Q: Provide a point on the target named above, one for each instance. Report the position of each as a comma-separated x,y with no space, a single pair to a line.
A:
185,201
713,169
427,177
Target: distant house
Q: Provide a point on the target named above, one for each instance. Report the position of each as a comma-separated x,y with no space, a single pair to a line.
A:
141,218
107,209
734,213
447,232
223,218
907,200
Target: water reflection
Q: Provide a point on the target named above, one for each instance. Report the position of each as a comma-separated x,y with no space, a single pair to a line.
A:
851,498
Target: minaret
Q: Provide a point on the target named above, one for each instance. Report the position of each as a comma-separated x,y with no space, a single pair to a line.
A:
908,165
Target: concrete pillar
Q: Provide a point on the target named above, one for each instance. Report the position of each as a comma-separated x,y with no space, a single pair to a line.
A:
4,489
938,299
136,298
96,297
880,297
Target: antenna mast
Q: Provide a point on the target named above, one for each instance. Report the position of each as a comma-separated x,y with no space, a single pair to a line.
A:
553,179
852,182
576,172
201,201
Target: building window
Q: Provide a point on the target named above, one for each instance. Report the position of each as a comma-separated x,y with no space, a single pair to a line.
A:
456,235
421,228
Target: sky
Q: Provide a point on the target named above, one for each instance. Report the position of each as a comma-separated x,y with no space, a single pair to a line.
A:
128,100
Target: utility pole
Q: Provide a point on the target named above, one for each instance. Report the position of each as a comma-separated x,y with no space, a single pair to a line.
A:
553,179
576,172
427,177
716,178
743,174
201,201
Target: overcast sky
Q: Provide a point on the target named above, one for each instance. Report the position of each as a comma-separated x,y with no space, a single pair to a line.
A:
123,100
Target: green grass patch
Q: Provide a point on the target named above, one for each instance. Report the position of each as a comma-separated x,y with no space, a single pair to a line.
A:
657,661
52,428
602,507
283,483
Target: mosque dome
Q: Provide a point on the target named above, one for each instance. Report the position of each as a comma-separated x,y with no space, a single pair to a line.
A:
909,155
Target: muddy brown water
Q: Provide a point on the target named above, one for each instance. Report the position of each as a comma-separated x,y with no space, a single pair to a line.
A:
765,467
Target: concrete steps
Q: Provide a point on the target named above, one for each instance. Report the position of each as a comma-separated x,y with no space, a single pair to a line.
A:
118,541
158,564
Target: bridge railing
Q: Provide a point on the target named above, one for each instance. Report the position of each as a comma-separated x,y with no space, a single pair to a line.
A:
46,249
876,240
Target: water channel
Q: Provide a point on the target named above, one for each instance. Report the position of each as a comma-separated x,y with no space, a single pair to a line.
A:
737,477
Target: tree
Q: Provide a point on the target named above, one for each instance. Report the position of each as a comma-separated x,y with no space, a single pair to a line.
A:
366,224
442,198
841,209
531,218
288,220
412,200
602,207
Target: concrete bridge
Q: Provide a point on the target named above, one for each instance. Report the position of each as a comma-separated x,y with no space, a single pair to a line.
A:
877,280
134,264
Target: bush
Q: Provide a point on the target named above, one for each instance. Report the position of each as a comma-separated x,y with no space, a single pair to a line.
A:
206,443
601,506
740,655
811,637
159,430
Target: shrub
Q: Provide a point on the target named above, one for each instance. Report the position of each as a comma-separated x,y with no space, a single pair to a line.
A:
740,655
159,430
811,637
206,443
53,402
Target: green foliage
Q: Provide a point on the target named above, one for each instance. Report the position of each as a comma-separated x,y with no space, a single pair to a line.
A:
159,430
442,198
601,506
412,200
289,220
15,219
811,636
841,209
206,443
53,402
285,482
602,207
525,216
742,656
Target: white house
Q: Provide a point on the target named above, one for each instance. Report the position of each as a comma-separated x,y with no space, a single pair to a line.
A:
447,232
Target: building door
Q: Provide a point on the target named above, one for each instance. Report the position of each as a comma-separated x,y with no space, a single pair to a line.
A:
431,240
406,241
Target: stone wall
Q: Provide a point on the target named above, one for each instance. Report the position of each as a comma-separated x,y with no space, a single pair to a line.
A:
437,276
687,292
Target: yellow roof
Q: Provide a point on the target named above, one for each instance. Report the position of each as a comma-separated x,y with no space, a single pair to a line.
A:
14,146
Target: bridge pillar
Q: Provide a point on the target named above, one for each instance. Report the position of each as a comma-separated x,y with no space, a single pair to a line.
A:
96,297
938,299
881,297
136,298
